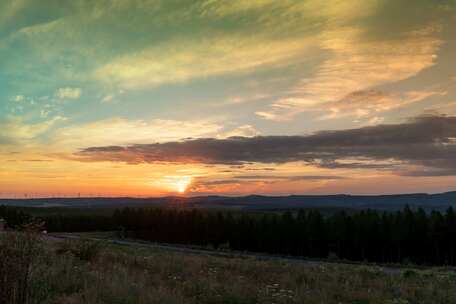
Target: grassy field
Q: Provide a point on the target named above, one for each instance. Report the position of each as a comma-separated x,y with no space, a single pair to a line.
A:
83,272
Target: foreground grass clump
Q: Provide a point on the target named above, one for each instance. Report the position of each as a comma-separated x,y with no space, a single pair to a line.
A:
19,257
74,272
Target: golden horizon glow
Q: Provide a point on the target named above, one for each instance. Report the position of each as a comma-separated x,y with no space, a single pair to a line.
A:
174,183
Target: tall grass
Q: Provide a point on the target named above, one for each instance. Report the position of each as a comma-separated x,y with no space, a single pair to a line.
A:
19,254
70,273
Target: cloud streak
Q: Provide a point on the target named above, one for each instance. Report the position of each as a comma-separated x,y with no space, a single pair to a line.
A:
427,142
68,93
182,60
289,178
354,69
16,129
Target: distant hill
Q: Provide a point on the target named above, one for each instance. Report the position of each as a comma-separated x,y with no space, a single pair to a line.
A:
429,202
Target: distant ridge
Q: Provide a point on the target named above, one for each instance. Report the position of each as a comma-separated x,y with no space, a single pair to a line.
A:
439,201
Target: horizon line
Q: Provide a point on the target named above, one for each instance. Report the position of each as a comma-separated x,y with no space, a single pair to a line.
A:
217,195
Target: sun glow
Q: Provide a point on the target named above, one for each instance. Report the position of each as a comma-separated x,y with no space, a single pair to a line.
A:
176,183
182,183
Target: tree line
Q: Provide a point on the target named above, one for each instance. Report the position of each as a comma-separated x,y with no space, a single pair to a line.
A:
14,216
405,236
400,237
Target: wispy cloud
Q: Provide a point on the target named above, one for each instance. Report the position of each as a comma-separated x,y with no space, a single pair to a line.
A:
288,177
122,131
353,71
362,104
181,60
241,131
68,93
17,128
125,131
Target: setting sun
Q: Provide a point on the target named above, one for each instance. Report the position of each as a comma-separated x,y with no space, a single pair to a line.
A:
177,183
181,188
172,183
183,183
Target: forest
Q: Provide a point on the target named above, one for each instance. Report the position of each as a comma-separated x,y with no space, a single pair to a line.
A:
402,237
407,236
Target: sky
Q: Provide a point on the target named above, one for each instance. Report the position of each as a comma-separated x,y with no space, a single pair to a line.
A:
166,97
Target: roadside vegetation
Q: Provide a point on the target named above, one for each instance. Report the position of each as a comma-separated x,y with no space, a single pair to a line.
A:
78,271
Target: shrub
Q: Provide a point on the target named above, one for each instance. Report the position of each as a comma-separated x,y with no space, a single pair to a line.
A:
85,250
409,273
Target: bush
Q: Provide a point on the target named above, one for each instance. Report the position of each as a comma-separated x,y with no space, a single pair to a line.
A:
85,250
409,273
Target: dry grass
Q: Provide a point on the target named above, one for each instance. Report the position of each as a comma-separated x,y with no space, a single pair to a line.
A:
139,275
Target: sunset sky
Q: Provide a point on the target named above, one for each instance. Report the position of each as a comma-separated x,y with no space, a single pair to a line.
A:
165,97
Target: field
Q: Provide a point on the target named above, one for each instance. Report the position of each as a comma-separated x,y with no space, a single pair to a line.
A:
84,272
